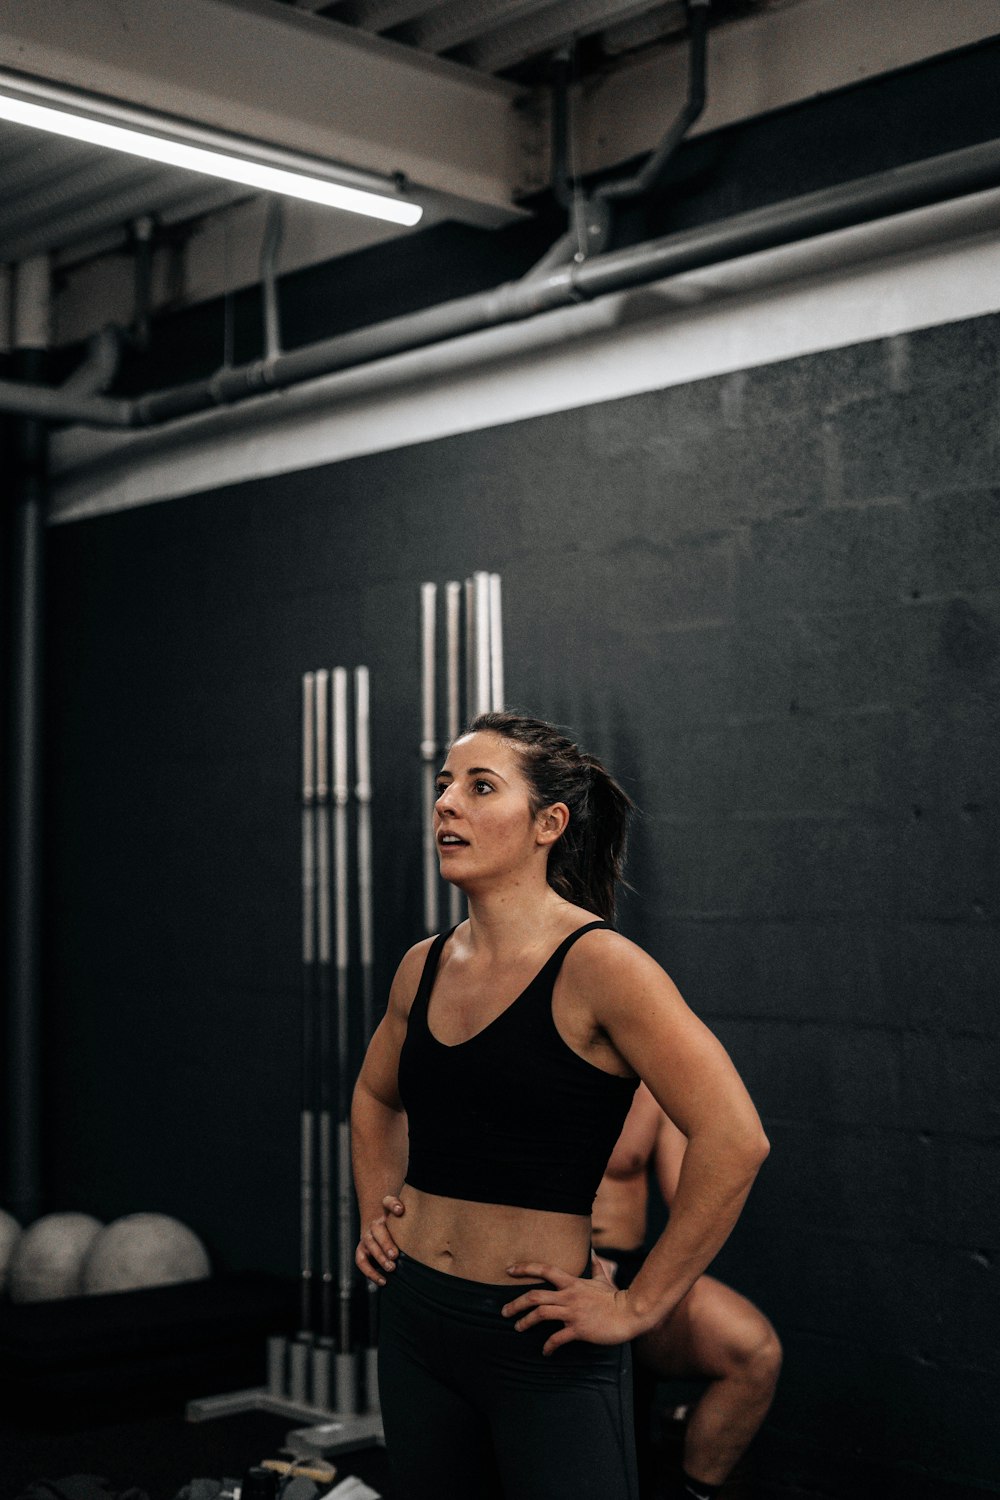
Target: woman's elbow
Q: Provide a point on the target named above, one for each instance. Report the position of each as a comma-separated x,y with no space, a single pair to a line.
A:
756,1149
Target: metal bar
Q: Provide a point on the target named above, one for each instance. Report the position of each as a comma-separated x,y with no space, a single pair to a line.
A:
429,749
481,583
496,645
363,795
307,1119
341,796
453,622
24,872
453,625
470,650
324,1030
273,232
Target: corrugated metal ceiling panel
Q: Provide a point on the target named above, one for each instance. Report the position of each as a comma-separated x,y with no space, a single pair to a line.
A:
56,193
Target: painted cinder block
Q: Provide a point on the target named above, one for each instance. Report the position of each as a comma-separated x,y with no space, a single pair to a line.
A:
832,559
939,355
850,1184
830,1074
970,1311
833,662
949,1085
800,766
932,439
811,387
956,1192
947,974
956,541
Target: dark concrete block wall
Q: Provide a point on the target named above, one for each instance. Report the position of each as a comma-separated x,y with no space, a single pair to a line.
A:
771,601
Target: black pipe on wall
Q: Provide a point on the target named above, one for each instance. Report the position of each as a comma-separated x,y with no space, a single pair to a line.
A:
28,453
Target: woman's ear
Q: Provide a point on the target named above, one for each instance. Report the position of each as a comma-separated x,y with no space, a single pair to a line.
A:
551,822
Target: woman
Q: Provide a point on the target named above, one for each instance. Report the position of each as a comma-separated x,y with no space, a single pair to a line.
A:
497,1085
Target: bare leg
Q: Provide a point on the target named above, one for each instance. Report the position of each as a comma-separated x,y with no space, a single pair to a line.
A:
718,1334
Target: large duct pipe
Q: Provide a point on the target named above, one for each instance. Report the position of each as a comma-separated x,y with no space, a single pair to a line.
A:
951,175
28,474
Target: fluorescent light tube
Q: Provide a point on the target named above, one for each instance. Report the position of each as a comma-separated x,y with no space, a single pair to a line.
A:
211,161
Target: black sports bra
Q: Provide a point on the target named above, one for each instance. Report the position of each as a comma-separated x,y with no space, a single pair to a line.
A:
512,1115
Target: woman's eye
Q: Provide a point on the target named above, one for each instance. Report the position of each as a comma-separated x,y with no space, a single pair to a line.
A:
440,787
480,785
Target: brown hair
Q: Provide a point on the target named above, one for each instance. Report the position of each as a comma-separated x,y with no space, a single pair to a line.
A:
585,863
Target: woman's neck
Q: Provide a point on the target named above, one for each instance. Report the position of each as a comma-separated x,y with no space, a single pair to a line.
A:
507,921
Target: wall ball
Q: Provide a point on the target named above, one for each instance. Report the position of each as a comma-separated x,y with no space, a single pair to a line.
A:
10,1233
144,1250
48,1256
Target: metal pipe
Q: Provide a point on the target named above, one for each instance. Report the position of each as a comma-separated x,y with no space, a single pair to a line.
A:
496,645
273,232
482,702
341,798
307,1117
429,749
453,628
648,177
324,954
561,186
99,366
953,174
24,873
363,795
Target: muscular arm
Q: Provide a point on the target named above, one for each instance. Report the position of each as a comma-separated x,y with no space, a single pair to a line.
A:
693,1080
378,1121
668,1158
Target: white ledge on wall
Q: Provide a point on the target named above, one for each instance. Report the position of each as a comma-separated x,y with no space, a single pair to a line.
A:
930,266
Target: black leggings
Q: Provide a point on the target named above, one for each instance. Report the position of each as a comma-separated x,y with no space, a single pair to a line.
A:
473,1411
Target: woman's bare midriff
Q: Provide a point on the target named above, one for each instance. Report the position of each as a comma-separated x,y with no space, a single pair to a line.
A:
478,1241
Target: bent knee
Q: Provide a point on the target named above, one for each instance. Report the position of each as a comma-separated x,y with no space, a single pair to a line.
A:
757,1358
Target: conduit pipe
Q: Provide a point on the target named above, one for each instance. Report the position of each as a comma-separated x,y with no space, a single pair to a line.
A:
951,175
590,216
29,444
649,175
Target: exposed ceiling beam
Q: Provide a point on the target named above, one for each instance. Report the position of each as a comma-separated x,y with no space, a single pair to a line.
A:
550,26
303,82
458,21
767,61
382,15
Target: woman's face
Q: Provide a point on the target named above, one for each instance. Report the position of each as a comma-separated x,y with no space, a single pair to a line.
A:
483,823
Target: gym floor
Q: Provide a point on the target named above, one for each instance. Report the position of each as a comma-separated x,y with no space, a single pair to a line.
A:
159,1452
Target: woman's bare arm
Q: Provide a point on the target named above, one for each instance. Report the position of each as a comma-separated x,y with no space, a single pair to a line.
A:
636,1006
690,1075
379,1138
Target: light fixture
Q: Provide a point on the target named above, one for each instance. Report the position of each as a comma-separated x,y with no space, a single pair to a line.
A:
117,127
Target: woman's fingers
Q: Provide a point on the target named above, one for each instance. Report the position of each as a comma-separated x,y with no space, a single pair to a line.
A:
543,1311
526,1302
381,1244
564,1336
539,1272
365,1266
393,1205
377,1250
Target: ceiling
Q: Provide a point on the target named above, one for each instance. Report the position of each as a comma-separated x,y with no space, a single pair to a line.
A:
59,195
454,94
516,38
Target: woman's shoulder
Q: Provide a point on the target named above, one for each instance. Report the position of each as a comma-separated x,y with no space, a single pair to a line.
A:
406,981
604,957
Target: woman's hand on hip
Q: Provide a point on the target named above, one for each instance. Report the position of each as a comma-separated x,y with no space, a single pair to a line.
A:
376,1246
594,1310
